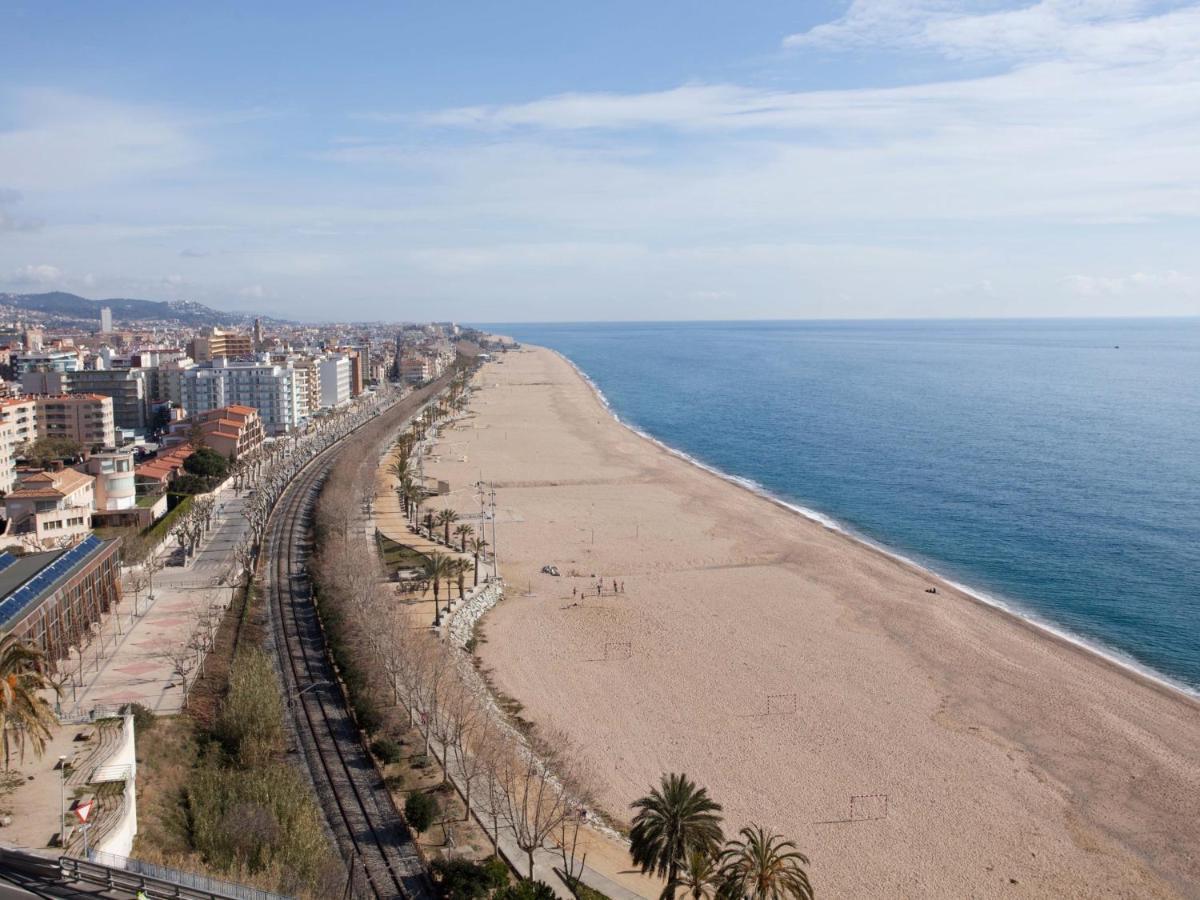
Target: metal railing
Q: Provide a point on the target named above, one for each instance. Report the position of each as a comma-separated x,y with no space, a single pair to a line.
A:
121,871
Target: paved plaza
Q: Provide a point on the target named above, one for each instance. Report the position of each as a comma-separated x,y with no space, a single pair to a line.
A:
128,661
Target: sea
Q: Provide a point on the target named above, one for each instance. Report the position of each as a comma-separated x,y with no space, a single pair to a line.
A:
1051,467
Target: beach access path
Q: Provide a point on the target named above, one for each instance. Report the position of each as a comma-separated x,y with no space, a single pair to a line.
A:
912,744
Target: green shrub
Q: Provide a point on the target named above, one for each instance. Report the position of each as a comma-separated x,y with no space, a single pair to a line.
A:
420,810
387,750
250,725
256,819
143,718
207,463
395,782
525,890
461,879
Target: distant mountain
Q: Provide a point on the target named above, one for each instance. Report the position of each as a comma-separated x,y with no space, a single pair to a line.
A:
61,305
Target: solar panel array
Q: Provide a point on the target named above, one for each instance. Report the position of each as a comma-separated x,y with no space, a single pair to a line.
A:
18,600
6,560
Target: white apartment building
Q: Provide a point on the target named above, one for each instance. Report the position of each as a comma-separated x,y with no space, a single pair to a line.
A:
271,389
335,380
47,360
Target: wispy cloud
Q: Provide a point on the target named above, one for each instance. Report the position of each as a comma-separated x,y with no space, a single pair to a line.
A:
63,141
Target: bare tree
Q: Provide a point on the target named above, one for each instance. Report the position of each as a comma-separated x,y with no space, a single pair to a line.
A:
182,657
533,800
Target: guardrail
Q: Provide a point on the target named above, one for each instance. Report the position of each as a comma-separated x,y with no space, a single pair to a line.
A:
123,873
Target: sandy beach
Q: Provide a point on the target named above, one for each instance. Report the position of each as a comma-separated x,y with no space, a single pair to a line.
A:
912,744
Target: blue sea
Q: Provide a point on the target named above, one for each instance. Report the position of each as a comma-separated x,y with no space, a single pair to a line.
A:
1050,466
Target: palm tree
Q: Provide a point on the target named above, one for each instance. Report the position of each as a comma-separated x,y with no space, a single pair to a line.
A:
23,713
416,497
673,820
700,875
463,531
437,567
446,518
400,468
477,545
763,866
460,567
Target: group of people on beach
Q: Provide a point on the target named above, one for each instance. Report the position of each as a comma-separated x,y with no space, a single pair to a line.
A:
617,588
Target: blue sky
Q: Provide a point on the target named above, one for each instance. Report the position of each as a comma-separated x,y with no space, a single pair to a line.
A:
547,161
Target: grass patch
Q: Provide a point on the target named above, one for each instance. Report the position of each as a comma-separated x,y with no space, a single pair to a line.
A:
147,500
398,556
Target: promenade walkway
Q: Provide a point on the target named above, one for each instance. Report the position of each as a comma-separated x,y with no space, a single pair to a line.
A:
126,663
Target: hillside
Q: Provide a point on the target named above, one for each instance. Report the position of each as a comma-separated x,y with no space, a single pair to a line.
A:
60,305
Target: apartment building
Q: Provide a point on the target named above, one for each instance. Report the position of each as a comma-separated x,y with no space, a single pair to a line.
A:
128,389
53,508
335,380
216,343
232,431
84,418
114,488
46,361
21,413
41,381
264,386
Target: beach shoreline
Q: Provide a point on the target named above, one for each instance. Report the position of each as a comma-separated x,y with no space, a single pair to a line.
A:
822,573
1012,609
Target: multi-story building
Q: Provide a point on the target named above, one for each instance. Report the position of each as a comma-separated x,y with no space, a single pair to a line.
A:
268,388
216,343
8,453
21,414
46,360
50,507
416,369
308,383
335,380
169,384
43,381
52,599
86,419
232,431
105,320
114,487
128,390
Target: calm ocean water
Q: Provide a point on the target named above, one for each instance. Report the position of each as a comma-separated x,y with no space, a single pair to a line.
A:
1051,465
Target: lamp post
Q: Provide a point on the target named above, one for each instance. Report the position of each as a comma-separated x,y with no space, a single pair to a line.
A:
62,801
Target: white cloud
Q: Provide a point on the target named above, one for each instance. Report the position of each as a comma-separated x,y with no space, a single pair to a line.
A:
63,141
36,275
1106,31
1170,281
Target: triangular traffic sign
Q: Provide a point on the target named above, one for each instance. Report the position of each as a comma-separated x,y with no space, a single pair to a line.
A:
83,810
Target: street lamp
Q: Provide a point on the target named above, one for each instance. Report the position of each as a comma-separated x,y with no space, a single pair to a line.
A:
62,802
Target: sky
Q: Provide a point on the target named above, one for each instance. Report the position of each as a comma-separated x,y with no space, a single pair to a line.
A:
550,161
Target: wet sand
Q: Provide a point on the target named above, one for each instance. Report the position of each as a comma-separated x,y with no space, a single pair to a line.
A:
912,744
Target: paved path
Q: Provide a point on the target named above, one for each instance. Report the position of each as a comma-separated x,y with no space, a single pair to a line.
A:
126,663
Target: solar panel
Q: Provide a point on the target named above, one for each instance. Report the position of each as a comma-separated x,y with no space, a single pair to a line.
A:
6,560
31,590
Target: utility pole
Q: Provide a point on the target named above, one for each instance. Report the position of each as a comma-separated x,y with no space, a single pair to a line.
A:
495,553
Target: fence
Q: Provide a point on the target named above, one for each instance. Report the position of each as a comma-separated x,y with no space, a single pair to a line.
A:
193,884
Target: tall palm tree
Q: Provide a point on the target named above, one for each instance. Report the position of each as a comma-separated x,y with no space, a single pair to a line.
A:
673,820
446,518
463,532
763,866
400,469
477,545
700,875
437,568
416,497
24,714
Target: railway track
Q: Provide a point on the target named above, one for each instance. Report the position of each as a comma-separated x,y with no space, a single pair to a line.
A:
380,852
